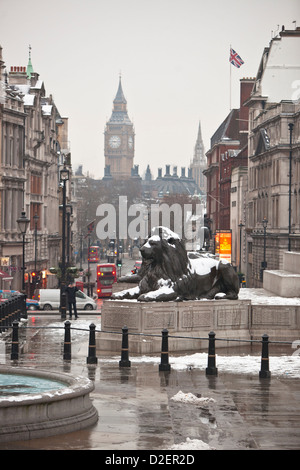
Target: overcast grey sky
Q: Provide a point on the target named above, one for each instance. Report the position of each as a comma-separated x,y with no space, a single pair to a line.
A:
173,56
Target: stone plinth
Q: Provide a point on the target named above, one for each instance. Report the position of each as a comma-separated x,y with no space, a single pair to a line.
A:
285,282
282,283
190,322
280,322
191,319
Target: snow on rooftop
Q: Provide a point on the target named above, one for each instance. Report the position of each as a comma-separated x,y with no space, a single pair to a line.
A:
47,109
24,89
29,100
38,84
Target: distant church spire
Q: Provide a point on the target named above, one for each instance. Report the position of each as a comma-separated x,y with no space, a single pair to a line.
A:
199,162
29,66
199,147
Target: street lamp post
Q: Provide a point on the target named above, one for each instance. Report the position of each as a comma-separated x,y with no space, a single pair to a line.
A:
264,262
81,249
290,185
69,210
64,176
88,270
241,225
35,218
23,223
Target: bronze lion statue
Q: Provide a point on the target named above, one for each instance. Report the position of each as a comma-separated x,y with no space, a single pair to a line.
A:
168,272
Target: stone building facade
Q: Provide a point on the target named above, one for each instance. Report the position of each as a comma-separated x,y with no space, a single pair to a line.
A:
12,180
274,157
31,129
228,150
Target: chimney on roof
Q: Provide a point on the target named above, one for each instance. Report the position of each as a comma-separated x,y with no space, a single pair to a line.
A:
17,75
246,87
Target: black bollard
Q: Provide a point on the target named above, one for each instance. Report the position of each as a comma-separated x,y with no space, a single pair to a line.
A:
23,307
211,363
92,359
264,372
15,341
63,304
124,362
67,343
164,359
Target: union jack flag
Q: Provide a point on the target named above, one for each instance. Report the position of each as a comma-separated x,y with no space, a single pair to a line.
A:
235,59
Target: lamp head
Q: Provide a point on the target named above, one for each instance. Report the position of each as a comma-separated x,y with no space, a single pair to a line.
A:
64,174
23,223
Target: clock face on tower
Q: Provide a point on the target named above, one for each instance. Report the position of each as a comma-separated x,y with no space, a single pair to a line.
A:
114,141
130,142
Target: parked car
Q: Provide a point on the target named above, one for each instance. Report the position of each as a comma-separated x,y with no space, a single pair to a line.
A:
31,304
49,299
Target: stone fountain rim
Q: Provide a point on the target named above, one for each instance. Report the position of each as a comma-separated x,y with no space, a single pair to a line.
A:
75,386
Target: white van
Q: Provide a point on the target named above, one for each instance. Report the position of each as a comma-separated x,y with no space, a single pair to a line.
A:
49,299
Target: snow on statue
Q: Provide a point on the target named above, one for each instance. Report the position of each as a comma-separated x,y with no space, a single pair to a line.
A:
168,272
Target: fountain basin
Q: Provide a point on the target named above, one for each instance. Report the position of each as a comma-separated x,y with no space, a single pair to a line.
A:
28,410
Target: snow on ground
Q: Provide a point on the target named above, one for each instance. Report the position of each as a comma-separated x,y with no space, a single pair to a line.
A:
191,444
191,398
79,327
264,297
287,365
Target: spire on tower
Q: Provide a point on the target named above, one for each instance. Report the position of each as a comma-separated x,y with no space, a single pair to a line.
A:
199,133
119,113
29,66
199,147
120,98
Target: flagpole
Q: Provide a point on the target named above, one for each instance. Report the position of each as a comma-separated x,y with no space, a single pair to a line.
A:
229,80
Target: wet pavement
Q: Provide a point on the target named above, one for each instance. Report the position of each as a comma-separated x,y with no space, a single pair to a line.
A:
136,405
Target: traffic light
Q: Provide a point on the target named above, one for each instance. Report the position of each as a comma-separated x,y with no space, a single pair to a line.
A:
35,277
119,262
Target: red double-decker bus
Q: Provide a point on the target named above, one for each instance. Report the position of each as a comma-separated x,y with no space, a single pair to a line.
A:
106,276
94,254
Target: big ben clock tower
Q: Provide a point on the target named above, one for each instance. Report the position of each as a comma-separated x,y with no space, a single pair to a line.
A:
119,140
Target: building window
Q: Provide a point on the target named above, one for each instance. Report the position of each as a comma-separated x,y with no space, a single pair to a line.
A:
36,184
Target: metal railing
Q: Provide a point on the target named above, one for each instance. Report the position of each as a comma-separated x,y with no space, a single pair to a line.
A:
12,309
164,365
